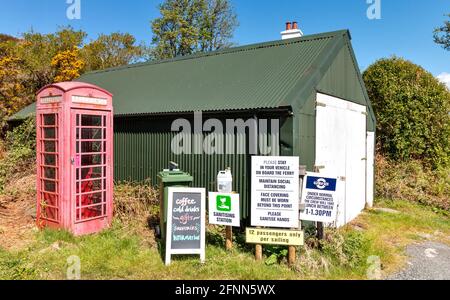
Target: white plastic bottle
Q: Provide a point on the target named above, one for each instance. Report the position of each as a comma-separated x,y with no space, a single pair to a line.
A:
225,181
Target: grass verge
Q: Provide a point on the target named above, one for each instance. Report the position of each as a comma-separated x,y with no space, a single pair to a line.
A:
119,253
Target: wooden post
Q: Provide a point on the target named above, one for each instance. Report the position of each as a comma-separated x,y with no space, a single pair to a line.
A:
229,238
258,252
291,256
320,233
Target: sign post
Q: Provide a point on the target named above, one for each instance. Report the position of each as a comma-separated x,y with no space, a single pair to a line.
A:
185,222
228,238
275,190
320,198
275,196
284,237
224,209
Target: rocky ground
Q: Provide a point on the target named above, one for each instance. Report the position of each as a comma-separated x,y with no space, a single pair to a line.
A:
426,261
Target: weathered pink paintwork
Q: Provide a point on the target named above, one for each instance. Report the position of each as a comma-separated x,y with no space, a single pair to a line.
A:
74,157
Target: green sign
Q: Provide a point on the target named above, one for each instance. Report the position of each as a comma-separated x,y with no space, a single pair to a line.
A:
223,203
224,209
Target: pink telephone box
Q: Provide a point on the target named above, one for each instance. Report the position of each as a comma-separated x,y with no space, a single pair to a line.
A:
74,157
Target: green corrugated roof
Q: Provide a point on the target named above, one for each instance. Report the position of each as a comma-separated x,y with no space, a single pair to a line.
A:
251,77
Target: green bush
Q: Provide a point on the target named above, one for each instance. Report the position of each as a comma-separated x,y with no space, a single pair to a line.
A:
349,249
413,182
20,151
412,108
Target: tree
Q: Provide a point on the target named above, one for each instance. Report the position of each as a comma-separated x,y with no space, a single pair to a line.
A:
29,63
218,26
67,65
35,60
442,35
36,52
116,49
412,108
190,26
12,90
6,42
7,38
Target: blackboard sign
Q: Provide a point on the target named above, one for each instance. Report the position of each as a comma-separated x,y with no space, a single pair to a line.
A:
185,222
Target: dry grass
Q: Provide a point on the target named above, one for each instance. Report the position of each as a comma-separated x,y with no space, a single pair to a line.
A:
411,181
17,212
136,206
2,149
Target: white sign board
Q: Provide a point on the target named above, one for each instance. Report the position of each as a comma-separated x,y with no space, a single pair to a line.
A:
275,192
224,209
51,99
320,198
89,100
186,222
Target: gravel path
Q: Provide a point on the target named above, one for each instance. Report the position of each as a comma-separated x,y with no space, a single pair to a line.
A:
427,261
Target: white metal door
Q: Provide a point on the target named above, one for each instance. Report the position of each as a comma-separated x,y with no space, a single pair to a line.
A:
370,167
341,150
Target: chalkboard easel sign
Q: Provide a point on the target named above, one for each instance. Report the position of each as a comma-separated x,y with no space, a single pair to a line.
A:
185,222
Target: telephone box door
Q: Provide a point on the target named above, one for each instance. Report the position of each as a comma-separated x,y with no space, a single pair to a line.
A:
92,172
48,158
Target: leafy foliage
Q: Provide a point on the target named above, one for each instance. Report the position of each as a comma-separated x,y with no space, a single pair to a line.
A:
35,60
190,26
116,49
275,254
67,65
413,182
412,108
12,90
20,151
442,35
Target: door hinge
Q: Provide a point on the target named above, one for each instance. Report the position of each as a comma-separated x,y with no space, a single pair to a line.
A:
321,104
342,178
364,158
364,113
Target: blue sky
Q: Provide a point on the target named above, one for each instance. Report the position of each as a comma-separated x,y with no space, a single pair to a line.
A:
405,28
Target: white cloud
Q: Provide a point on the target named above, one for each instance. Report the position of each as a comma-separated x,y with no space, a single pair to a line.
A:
444,78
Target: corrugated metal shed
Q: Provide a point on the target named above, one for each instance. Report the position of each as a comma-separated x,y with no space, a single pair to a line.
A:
256,76
259,76
278,80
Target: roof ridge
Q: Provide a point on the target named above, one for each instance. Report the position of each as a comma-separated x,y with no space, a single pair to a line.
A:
250,47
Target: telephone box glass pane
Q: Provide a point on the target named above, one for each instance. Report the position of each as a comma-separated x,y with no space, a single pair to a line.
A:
50,213
49,133
89,186
49,199
50,120
96,185
50,146
91,212
87,120
91,147
91,134
91,160
50,159
50,173
88,173
91,199
50,186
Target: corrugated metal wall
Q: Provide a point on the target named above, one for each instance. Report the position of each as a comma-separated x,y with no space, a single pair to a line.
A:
143,149
342,80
